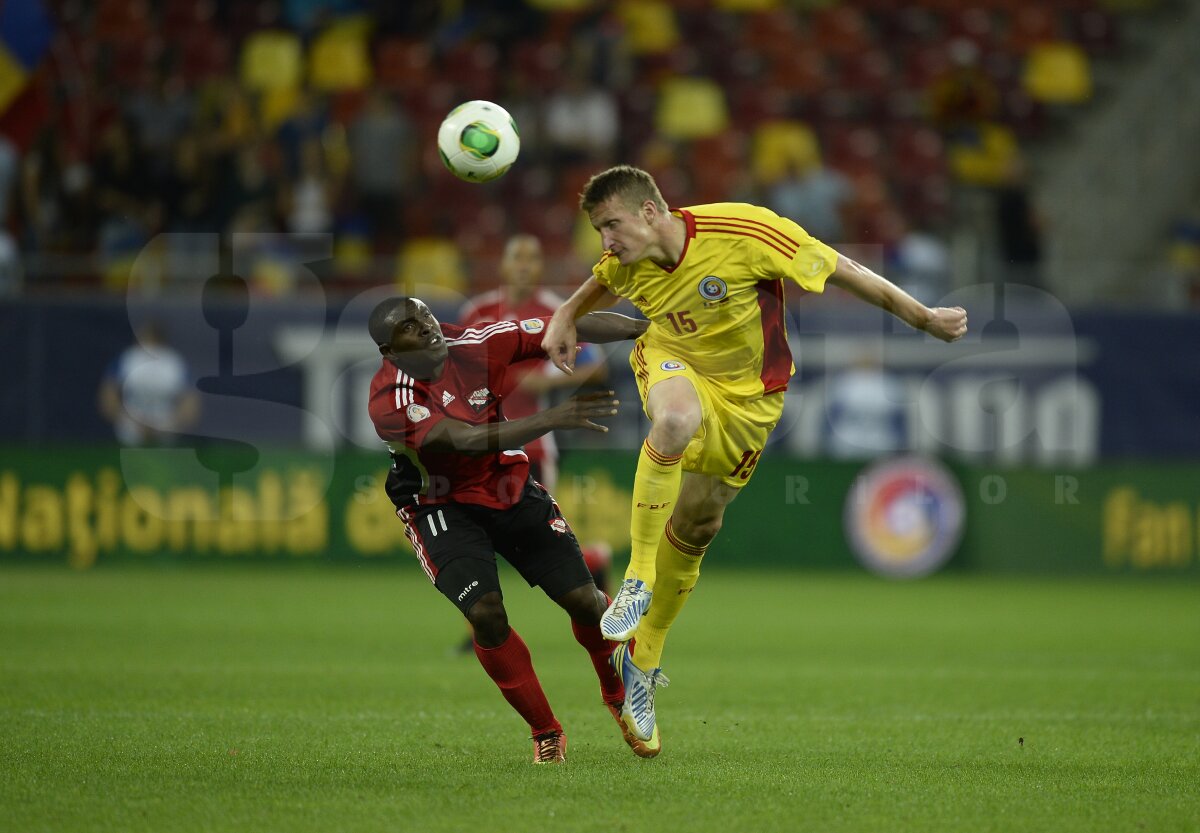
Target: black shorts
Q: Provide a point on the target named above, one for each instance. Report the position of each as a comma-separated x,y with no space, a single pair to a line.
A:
457,543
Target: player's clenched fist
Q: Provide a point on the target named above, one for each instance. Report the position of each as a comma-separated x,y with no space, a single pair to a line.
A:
947,323
579,411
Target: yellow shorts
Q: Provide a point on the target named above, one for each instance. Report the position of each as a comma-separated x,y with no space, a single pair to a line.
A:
732,433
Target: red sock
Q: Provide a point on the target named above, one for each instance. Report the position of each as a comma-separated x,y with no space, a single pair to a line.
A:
600,649
511,668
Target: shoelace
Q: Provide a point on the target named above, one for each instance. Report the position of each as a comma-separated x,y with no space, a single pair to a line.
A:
547,747
624,601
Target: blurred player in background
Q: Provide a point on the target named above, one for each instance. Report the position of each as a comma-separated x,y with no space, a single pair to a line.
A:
461,485
522,296
147,392
711,369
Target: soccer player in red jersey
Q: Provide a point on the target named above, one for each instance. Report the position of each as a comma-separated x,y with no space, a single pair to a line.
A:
520,297
461,486
711,372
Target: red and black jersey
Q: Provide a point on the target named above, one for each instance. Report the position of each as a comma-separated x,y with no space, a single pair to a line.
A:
495,306
404,409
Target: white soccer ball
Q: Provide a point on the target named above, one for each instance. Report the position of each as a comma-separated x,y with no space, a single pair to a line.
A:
478,141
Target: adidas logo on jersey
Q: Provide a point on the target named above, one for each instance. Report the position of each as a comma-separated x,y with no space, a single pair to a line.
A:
447,398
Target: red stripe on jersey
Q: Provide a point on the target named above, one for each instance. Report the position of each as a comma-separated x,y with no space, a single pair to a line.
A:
777,356
641,362
773,244
689,224
767,226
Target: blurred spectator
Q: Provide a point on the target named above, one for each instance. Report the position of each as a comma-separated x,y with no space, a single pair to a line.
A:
187,191
383,153
1018,228
147,393
963,98
310,197
10,261
919,262
160,115
1183,258
582,120
814,196
865,411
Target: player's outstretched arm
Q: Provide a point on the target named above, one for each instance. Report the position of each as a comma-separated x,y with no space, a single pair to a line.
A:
454,437
603,327
945,323
561,338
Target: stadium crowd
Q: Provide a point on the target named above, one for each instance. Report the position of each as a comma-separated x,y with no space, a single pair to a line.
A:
857,120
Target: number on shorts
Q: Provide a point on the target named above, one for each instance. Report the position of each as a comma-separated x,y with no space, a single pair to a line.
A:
744,468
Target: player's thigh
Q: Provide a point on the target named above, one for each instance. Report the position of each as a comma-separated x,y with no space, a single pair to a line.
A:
735,435
537,541
455,550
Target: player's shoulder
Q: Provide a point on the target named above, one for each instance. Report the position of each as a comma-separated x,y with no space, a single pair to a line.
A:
482,306
606,265
743,224
711,213
457,335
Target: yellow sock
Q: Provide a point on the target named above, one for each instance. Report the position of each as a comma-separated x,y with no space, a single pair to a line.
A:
655,490
678,571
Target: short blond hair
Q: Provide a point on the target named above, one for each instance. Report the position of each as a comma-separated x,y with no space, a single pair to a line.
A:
631,185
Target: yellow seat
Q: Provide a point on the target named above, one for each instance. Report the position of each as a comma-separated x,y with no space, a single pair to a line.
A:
271,60
988,161
649,26
340,60
691,108
781,147
431,267
1057,73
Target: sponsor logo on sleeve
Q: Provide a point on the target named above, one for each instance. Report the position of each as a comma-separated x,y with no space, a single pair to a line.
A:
559,526
671,364
533,325
416,413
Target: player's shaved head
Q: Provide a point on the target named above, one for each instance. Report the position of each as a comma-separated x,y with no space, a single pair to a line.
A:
386,315
631,185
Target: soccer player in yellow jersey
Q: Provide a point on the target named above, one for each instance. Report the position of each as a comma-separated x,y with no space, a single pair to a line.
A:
711,370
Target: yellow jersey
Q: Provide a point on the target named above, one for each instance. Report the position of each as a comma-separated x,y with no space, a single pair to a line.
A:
721,307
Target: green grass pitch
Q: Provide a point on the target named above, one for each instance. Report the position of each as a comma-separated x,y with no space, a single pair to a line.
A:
180,699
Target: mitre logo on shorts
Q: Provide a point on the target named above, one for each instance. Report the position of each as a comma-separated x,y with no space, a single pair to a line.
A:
559,526
671,364
416,413
713,288
533,325
480,399
467,590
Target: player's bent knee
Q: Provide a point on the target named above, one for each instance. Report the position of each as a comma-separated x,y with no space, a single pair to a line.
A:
698,532
489,620
585,604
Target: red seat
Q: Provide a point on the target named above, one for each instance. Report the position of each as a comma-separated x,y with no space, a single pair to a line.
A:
402,64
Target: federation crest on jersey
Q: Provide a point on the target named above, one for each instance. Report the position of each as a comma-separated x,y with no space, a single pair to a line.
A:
671,364
480,399
533,325
559,526
712,288
416,413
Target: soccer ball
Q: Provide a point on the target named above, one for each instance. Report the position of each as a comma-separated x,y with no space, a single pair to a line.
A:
478,141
